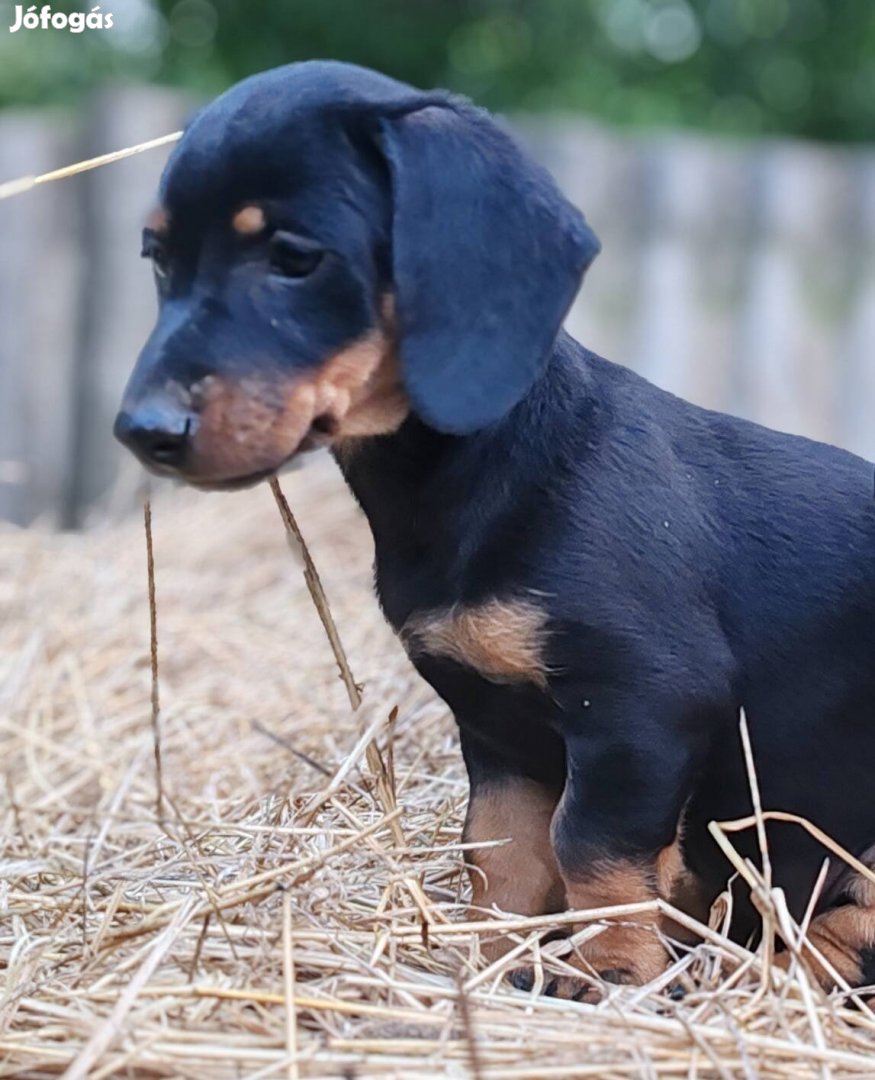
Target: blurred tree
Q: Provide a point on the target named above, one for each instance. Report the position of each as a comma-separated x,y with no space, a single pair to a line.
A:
805,67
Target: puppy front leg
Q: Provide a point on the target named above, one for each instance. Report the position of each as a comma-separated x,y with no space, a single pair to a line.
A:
512,866
615,834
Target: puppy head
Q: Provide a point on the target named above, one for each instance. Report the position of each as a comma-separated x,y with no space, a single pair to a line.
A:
332,250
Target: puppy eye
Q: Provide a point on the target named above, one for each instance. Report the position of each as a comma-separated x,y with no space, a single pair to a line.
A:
155,249
294,256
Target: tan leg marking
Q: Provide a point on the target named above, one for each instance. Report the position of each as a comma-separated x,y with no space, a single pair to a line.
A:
520,876
630,952
256,424
860,888
842,933
503,640
249,221
677,884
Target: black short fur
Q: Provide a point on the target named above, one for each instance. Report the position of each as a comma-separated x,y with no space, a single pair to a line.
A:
691,564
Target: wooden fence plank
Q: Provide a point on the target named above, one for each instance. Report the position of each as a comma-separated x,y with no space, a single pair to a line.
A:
857,347
787,363
38,313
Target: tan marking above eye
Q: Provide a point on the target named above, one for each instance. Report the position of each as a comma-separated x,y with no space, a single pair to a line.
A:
503,640
158,220
249,220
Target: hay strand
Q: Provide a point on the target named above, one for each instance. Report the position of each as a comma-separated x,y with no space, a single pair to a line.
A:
109,1030
317,593
155,694
28,183
289,990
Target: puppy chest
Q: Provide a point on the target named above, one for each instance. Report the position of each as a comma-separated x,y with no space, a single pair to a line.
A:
504,642
514,719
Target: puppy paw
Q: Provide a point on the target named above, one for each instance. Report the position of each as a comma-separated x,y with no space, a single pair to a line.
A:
583,987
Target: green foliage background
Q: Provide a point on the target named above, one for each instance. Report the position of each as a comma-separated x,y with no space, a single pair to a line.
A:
805,67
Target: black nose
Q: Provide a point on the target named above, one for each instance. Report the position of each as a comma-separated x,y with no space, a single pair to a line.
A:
158,436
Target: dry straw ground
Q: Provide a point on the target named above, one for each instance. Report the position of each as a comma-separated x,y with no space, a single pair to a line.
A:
297,907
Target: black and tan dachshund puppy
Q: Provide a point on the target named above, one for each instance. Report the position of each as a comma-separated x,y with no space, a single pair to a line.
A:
595,575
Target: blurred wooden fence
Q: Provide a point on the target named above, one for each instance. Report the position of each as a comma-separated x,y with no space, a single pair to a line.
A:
741,276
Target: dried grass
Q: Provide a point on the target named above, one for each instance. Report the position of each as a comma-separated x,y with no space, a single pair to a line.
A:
296,908
23,184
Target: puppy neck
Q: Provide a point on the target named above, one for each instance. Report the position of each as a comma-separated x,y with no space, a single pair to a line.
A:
433,499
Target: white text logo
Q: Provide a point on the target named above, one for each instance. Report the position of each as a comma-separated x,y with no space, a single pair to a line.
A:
45,19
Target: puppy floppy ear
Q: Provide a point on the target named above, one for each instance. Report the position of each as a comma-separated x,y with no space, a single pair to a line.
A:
487,255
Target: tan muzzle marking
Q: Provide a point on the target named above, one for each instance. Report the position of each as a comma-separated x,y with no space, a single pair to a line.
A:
256,423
